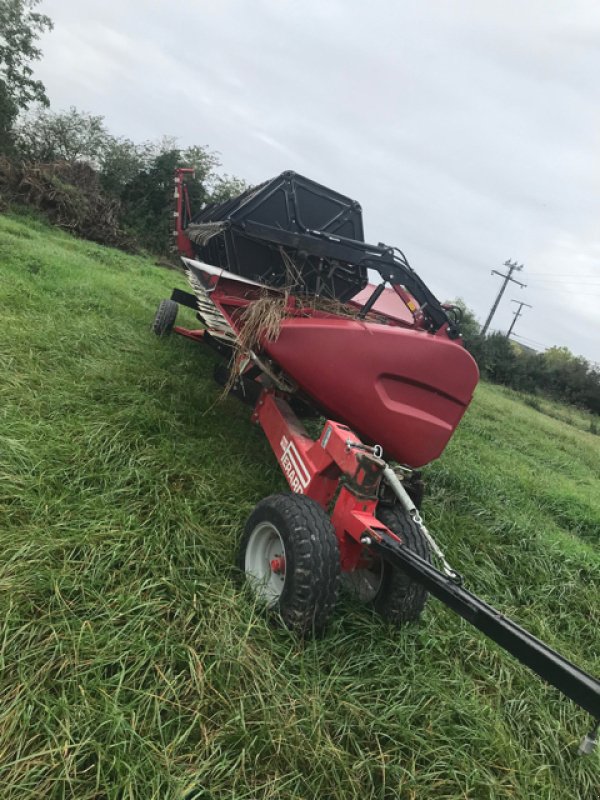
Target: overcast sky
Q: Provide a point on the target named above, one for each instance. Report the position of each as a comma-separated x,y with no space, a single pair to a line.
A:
468,131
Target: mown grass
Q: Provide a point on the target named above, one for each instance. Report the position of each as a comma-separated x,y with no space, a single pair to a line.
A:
131,663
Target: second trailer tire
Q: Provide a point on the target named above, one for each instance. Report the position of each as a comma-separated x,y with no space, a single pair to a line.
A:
401,599
289,554
165,317
396,597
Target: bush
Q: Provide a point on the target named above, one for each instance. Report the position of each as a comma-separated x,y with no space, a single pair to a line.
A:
69,195
557,372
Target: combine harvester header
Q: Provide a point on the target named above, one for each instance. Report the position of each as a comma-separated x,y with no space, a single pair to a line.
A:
280,282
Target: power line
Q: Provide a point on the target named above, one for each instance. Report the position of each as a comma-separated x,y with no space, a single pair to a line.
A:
594,282
533,341
565,289
562,274
512,267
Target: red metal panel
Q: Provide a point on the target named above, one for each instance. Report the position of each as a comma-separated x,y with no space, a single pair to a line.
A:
399,387
388,304
315,469
306,465
404,389
182,204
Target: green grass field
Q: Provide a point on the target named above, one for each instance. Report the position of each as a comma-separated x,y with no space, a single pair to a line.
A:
132,665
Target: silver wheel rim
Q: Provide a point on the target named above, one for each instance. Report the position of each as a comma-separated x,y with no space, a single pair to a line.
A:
264,563
364,583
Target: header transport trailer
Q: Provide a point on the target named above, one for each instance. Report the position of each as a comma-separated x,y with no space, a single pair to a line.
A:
280,283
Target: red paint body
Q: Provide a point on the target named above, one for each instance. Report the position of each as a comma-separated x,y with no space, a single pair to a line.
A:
182,212
389,304
398,387
316,468
381,380
402,388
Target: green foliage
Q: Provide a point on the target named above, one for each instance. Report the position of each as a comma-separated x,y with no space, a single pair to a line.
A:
122,160
557,371
147,198
20,27
46,136
532,402
578,417
224,187
469,326
147,201
567,374
499,358
133,665
137,177
134,181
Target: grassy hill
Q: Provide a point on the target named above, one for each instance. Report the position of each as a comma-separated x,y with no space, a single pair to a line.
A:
132,666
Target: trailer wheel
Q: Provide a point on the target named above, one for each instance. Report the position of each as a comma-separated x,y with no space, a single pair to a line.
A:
290,557
395,596
399,598
165,317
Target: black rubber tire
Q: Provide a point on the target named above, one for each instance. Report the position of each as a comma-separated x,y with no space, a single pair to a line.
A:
165,317
400,599
310,591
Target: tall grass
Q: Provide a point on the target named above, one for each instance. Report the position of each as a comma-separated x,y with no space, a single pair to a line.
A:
132,664
579,418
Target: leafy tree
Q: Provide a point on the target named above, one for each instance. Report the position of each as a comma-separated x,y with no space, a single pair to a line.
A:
528,371
122,160
139,176
204,163
591,394
147,198
47,136
565,373
469,325
556,372
20,27
224,187
499,359
470,330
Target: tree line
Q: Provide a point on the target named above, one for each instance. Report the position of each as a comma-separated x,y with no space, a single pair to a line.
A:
556,372
70,166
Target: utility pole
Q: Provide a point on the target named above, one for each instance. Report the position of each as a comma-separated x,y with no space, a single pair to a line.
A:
517,315
512,267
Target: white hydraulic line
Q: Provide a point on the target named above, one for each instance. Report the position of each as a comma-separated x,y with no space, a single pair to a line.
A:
407,504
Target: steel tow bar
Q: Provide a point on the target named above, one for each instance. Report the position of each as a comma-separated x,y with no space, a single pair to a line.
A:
573,682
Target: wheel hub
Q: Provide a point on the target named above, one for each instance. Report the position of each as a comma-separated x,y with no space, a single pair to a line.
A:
278,565
265,562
